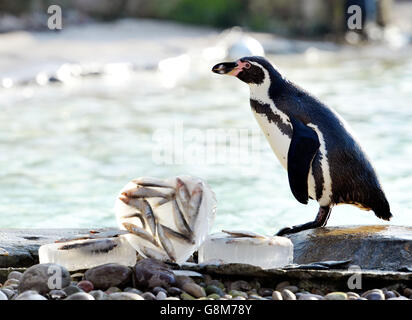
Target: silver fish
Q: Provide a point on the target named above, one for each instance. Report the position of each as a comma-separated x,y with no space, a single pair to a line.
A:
144,207
177,235
152,253
180,221
145,192
136,215
152,182
194,203
97,246
166,243
161,202
142,233
182,196
244,234
94,235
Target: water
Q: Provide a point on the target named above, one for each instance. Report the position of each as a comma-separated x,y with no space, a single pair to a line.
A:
66,150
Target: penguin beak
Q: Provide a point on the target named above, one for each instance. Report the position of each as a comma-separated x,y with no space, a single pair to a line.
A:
229,68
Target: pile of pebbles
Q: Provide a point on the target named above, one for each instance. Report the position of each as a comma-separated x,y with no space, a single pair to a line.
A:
150,279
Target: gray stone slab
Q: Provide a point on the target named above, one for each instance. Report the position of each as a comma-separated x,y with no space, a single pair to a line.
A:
376,247
19,247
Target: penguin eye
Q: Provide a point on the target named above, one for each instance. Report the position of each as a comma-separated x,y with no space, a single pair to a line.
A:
247,65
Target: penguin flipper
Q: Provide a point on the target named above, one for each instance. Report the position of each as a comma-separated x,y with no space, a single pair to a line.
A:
302,149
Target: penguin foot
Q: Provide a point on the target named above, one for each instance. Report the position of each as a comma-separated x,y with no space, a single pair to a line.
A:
296,229
320,221
283,231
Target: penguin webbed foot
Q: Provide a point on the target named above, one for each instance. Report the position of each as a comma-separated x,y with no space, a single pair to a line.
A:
320,221
298,228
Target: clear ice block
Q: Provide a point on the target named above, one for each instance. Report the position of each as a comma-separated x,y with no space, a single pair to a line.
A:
165,214
88,253
247,248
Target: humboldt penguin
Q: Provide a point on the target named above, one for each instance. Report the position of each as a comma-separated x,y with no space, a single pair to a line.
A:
321,154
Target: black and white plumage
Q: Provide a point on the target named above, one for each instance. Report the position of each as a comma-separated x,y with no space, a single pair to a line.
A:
312,142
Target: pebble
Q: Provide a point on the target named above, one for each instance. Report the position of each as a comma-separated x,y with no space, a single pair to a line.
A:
109,275
15,275
374,294
214,296
85,285
80,296
216,283
293,289
150,273
390,294
133,290
37,278
408,292
8,292
181,280
30,295
148,296
57,294
265,292
172,298
288,295
336,296
240,285
236,293
239,298
174,291
276,295
352,295
186,296
113,290
99,295
3,296
308,296
227,296
156,290
71,289
161,295
210,289
256,297
281,285
125,296
194,289
398,298
14,283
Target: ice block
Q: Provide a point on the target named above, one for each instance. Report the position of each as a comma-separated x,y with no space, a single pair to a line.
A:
248,248
167,219
87,253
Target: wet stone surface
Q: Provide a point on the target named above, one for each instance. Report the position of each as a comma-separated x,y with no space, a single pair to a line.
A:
376,247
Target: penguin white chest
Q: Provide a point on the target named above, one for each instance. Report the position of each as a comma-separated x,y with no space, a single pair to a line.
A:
278,131
278,140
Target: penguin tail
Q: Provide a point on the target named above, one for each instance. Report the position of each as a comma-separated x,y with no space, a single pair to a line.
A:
384,215
383,211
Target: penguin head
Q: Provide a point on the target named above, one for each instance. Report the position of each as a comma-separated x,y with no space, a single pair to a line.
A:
252,70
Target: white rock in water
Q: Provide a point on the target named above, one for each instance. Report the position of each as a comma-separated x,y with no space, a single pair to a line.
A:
164,245
85,254
264,252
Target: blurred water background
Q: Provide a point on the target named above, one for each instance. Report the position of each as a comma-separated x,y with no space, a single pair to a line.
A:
81,112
